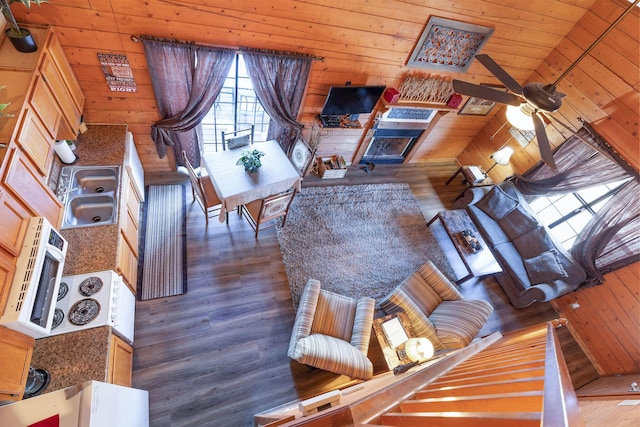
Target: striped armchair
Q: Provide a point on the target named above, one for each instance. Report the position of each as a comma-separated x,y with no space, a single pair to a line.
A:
436,309
331,332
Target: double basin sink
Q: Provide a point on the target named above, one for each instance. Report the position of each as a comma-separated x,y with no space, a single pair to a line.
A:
89,194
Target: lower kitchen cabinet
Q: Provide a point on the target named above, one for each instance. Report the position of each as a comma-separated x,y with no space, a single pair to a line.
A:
16,350
120,362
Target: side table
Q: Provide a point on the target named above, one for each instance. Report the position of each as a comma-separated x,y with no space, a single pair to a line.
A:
391,354
473,176
478,263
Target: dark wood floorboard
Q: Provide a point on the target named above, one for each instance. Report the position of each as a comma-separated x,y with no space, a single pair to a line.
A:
217,355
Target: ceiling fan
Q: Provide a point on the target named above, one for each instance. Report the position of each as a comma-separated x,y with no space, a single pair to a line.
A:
533,99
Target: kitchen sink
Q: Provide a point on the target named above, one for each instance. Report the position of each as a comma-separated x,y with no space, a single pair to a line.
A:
95,180
82,211
89,194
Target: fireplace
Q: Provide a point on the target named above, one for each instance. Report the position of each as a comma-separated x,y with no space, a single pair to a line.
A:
390,146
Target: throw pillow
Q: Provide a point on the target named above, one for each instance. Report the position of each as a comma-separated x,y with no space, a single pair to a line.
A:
517,222
544,268
238,141
497,204
533,242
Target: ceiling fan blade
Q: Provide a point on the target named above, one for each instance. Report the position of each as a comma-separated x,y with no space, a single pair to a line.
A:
500,73
485,92
543,141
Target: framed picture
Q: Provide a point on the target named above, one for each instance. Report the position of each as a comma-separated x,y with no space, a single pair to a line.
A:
479,106
448,45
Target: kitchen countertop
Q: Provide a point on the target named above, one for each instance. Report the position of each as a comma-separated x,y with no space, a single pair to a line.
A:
96,248
74,357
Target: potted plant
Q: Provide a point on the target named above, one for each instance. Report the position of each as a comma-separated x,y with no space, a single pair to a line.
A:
250,159
21,38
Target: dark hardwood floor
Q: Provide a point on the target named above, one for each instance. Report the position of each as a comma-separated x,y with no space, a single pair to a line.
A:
217,355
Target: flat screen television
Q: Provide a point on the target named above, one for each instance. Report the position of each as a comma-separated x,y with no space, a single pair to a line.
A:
347,100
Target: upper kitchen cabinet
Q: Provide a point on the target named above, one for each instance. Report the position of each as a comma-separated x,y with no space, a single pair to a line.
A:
46,99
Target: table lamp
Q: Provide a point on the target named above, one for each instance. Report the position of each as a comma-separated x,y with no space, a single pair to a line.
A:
501,157
419,349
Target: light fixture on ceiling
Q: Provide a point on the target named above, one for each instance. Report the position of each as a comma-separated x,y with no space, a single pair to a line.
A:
520,116
501,157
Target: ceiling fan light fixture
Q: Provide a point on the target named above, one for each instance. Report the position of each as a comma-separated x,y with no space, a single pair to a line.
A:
520,117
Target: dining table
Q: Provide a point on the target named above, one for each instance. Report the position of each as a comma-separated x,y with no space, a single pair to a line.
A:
236,187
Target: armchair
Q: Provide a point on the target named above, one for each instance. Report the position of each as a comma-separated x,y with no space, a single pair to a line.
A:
436,309
331,332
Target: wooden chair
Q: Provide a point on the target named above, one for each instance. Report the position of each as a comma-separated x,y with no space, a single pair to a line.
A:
267,210
203,191
237,138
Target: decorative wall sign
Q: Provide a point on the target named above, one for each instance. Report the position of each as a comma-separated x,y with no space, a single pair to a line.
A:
523,137
448,45
479,106
117,72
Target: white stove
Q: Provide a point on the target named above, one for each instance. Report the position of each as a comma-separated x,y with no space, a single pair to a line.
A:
94,299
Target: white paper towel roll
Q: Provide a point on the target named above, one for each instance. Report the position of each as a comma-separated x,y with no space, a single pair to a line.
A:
64,152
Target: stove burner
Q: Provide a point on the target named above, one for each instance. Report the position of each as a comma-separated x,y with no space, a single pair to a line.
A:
58,318
90,286
62,290
84,311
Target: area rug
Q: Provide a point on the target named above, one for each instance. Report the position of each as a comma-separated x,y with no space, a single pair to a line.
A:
358,240
162,258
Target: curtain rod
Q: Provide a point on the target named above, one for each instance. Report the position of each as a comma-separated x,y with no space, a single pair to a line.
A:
139,38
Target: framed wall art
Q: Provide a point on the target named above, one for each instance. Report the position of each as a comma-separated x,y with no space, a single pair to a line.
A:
448,45
479,106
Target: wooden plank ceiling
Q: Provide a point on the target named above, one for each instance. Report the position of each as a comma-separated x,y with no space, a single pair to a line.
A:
363,41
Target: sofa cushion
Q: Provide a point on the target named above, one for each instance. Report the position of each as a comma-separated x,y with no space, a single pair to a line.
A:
497,204
533,242
489,228
518,222
544,268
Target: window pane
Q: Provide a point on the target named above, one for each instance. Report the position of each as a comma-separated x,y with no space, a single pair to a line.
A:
567,204
236,108
539,203
549,215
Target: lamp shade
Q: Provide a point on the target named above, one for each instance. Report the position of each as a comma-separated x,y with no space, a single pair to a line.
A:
519,118
418,349
502,156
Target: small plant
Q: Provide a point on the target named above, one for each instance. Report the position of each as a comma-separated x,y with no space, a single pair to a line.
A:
6,11
250,159
3,106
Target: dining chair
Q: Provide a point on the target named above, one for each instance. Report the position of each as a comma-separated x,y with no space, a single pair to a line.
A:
203,191
267,210
238,138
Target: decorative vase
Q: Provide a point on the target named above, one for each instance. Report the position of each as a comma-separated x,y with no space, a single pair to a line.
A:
23,42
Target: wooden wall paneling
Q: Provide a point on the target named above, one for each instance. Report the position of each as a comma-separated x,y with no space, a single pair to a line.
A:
607,324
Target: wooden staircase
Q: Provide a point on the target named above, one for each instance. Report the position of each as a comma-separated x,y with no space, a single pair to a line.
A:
516,380
506,384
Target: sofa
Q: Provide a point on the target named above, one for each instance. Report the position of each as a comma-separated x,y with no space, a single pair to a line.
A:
535,266
436,309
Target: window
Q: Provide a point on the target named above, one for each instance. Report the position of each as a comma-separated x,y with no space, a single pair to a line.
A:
568,214
237,107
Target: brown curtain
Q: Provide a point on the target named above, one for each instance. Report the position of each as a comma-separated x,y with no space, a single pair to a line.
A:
186,80
279,81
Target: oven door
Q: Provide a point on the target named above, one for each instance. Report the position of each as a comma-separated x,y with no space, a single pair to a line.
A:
47,290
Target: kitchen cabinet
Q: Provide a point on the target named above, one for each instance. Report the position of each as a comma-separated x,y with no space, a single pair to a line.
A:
120,362
16,350
27,186
63,84
128,236
14,225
